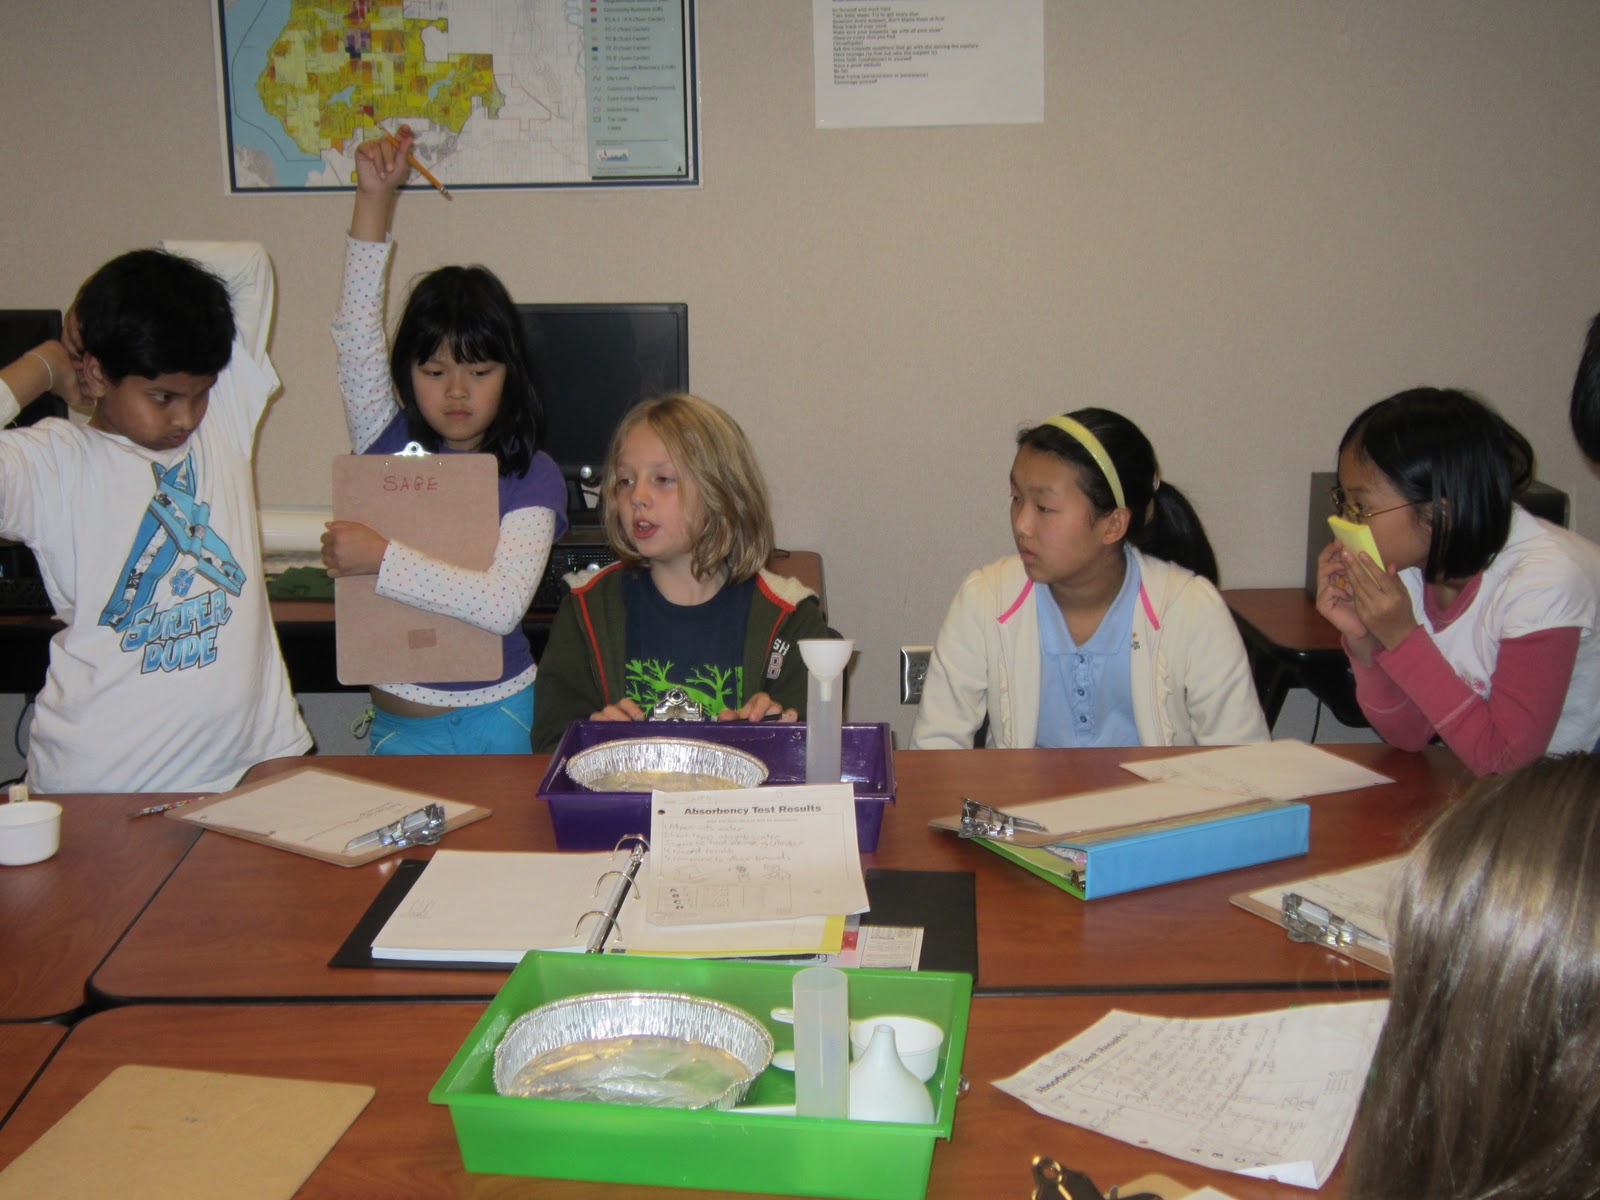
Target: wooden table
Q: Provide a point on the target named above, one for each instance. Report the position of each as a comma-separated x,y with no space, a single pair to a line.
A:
1033,936
58,918
402,1146
25,1046
1291,644
239,921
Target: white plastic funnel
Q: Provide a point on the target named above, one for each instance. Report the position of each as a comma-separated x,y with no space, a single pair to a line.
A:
825,659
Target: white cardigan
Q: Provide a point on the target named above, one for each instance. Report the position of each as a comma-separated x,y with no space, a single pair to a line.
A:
1190,676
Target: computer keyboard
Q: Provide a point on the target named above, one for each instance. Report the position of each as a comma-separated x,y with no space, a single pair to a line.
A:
564,559
24,594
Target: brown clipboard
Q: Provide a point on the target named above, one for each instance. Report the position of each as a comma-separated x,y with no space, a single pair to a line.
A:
446,506
344,798
1251,903
145,1133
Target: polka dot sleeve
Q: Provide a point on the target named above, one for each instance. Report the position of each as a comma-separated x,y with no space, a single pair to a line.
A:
358,339
495,599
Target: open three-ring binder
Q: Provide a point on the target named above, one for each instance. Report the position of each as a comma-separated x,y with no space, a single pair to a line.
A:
494,906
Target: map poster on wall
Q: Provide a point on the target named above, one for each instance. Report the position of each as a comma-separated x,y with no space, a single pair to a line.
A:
500,93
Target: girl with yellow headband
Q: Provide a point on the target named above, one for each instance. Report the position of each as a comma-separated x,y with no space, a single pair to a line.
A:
1105,628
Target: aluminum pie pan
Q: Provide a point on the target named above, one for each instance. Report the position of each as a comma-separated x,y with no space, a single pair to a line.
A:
599,1016
665,764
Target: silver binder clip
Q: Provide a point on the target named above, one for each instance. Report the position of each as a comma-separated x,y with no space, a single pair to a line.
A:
421,828
1308,921
984,820
1052,1181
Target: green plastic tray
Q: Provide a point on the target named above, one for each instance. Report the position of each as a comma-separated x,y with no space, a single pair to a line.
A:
799,1156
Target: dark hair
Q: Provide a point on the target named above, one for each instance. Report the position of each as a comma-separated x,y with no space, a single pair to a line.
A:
149,313
469,311
1483,1082
1448,451
1585,412
1161,521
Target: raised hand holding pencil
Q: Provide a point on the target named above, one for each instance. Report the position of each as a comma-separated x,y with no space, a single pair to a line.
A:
383,164
411,158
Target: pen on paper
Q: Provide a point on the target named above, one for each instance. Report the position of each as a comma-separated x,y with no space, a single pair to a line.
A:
159,808
420,169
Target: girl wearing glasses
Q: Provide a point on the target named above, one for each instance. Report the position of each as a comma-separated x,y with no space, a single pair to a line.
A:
1479,623
1104,629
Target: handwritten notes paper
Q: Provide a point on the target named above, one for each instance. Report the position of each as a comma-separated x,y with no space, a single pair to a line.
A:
754,854
1271,1095
1283,770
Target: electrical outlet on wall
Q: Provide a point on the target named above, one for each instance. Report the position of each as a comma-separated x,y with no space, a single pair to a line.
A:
913,670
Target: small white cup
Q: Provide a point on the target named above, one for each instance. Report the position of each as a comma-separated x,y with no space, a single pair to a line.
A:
916,1040
29,832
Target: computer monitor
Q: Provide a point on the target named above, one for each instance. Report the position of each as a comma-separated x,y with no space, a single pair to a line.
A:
592,363
21,329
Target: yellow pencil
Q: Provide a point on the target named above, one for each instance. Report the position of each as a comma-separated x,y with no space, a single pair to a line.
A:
420,169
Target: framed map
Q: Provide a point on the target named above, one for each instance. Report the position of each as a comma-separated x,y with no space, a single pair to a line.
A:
500,93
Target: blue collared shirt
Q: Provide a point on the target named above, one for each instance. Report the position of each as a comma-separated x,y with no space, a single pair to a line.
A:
1086,692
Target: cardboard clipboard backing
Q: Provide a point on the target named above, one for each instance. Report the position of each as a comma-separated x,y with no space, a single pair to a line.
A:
1252,903
446,506
152,1132
459,812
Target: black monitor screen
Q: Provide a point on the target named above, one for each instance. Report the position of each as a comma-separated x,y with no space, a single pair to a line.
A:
21,329
592,363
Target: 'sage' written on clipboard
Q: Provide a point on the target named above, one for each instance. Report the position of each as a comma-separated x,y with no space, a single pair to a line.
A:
445,506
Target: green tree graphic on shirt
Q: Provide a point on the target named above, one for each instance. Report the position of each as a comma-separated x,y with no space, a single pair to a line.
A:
712,687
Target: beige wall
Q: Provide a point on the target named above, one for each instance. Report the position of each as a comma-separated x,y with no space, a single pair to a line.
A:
1239,223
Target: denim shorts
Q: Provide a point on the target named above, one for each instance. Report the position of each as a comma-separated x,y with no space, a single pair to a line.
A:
499,727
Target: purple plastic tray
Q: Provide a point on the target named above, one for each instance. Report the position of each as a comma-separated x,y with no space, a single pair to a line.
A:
586,820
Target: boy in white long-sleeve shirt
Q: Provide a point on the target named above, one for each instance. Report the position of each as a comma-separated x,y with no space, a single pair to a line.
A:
167,676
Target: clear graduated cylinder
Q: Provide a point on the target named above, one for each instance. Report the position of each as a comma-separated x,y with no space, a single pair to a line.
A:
821,1042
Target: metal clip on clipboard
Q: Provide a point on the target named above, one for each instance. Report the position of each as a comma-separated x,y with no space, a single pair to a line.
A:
627,878
1307,921
1052,1181
423,827
984,820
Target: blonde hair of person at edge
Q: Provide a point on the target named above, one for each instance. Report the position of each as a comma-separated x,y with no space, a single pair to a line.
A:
1106,627
1484,1084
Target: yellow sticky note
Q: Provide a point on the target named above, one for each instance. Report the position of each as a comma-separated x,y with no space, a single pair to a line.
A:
1355,538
